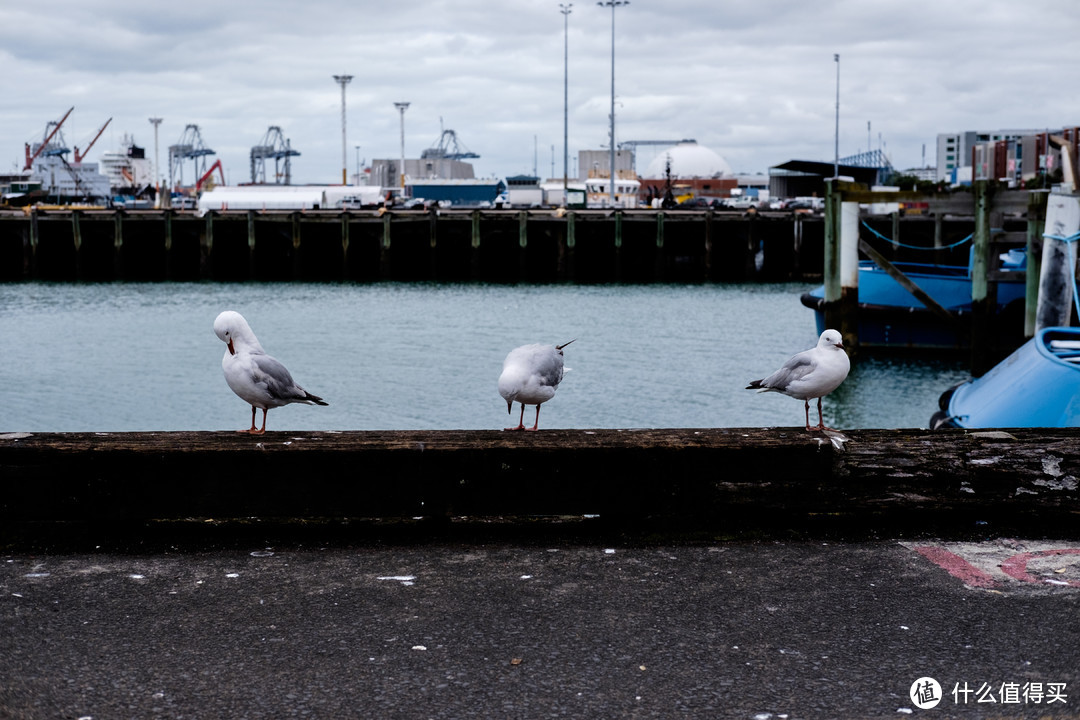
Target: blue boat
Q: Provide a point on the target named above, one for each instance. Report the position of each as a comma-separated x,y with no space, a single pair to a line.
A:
891,317
1036,386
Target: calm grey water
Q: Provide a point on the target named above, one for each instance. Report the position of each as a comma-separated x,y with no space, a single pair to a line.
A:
129,356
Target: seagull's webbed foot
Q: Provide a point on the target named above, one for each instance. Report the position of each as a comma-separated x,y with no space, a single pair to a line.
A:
521,420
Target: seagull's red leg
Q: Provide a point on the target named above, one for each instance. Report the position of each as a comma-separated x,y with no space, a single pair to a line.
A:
537,423
252,430
806,403
258,432
821,418
521,420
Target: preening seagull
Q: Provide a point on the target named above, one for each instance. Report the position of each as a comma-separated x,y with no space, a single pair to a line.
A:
813,373
256,377
531,374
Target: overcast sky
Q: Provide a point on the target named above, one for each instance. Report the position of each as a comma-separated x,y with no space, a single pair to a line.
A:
753,81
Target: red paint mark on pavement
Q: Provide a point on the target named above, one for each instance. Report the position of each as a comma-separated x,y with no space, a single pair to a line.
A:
1016,566
956,566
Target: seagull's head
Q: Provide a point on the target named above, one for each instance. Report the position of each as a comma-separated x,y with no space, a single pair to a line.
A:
833,338
231,327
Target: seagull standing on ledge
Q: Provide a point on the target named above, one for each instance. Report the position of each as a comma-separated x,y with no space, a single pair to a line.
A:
256,377
813,373
531,374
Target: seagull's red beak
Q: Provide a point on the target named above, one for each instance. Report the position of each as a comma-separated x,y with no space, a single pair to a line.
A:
232,351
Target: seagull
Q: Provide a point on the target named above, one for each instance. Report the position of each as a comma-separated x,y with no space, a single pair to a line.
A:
531,374
813,373
255,376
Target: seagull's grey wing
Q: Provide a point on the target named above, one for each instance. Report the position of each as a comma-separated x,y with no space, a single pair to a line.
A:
549,369
792,371
279,382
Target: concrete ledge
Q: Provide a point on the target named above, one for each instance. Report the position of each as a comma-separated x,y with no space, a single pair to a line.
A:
727,482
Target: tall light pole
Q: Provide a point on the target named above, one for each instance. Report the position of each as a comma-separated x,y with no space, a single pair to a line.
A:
836,147
613,4
402,107
157,185
565,10
343,80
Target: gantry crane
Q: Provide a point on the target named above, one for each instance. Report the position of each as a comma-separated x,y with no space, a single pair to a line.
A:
272,146
449,148
189,147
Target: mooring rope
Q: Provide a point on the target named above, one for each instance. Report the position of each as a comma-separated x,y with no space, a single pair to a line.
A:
916,247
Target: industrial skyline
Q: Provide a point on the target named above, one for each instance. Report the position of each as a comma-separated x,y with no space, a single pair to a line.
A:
757,86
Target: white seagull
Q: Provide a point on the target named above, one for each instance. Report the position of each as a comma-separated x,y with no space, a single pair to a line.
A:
531,374
813,373
256,377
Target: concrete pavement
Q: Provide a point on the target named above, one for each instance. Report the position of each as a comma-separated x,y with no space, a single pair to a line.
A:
762,631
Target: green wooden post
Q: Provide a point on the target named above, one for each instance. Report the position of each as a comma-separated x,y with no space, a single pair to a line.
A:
385,268
569,264
166,218
618,247
841,306
76,230
1036,220
983,300
76,233
831,269
118,243
475,228
659,264
207,266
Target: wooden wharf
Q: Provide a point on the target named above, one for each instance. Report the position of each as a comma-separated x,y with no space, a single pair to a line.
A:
96,488
449,245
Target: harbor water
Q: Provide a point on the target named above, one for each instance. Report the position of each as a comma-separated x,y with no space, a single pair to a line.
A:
394,356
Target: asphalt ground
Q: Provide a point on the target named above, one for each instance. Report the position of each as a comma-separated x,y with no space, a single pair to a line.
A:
755,630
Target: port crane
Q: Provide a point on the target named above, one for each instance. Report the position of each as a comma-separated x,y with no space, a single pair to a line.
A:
276,147
44,146
189,147
207,177
448,148
79,156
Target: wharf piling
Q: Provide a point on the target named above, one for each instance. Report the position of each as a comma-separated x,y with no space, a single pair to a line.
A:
730,482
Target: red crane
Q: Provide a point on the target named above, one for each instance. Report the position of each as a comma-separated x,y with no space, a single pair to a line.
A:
31,158
79,156
208,173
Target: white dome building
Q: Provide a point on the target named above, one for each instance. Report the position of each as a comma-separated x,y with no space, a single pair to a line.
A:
688,160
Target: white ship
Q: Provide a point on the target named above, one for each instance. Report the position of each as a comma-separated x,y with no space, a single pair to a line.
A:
128,169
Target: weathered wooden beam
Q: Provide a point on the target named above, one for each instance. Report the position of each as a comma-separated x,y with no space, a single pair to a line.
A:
765,481
907,283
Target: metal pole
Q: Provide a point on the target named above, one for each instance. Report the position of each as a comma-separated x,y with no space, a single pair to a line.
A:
402,107
565,10
357,164
836,147
343,80
157,182
613,4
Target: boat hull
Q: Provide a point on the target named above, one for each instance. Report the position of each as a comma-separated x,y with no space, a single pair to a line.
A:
1037,386
891,318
